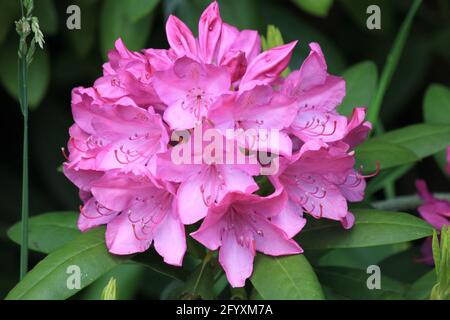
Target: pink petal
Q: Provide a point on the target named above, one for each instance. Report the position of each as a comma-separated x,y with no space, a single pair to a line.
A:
190,203
312,124
348,221
267,66
236,260
180,37
290,219
170,239
272,240
209,31
121,238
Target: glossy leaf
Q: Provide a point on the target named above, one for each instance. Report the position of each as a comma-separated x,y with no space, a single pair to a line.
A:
352,283
436,110
422,139
289,278
200,284
387,154
421,289
371,228
48,231
360,82
50,278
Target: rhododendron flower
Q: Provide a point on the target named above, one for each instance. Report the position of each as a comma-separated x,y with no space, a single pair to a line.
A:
113,136
252,122
137,212
319,182
434,211
243,224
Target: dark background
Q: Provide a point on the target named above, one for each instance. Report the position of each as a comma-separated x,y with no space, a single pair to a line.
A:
75,59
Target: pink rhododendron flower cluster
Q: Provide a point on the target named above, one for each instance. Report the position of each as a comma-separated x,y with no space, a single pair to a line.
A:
121,154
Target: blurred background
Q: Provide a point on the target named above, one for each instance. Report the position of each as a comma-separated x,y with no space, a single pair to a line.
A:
74,58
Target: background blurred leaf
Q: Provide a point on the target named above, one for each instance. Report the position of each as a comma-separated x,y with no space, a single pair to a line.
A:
115,22
138,9
387,154
371,228
422,139
357,11
288,278
318,8
82,40
351,283
9,11
293,28
46,11
361,82
48,231
386,177
359,258
405,266
421,289
199,285
38,74
241,14
48,279
436,110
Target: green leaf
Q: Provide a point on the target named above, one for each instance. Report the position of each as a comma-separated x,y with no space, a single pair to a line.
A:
360,81
436,105
293,28
153,261
436,110
436,252
391,63
285,278
357,10
48,231
128,277
38,74
272,39
352,283
421,289
138,9
200,284
82,40
318,8
422,139
388,155
386,177
9,10
115,23
49,279
359,258
47,14
110,290
371,228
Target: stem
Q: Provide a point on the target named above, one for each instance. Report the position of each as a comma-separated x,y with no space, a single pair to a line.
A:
391,63
406,202
23,98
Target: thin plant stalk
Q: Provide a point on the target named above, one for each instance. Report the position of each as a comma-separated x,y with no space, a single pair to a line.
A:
23,98
391,63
